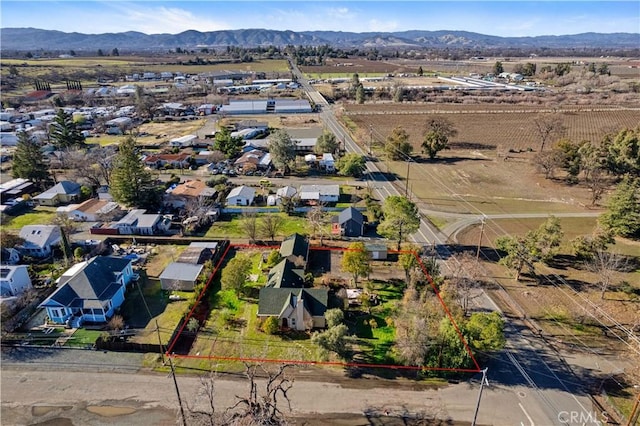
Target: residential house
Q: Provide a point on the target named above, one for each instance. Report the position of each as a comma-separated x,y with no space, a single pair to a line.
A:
118,125
241,196
314,194
92,210
189,192
90,291
178,161
296,249
285,192
286,274
351,222
180,276
9,256
328,163
260,159
284,295
298,309
139,222
39,240
14,280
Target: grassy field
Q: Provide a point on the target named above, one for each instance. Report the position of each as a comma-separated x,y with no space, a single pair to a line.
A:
38,216
83,337
232,228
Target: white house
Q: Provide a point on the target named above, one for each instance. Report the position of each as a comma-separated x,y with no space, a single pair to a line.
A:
319,193
39,240
328,163
285,192
90,291
14,280
138,222
241,196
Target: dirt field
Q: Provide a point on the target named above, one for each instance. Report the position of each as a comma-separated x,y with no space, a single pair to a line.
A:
485,127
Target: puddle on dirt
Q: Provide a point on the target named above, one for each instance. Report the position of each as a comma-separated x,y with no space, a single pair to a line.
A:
60,421
41,410
110,410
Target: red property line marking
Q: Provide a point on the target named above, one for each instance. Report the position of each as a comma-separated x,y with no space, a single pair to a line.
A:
186,320
328,363
332,363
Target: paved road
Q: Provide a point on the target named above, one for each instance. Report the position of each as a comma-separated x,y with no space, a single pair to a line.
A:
28,383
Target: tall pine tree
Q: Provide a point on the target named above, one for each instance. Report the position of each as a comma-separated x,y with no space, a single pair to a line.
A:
131,184
64,132
28,161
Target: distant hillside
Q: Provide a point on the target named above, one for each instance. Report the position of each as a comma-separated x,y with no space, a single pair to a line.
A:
34,39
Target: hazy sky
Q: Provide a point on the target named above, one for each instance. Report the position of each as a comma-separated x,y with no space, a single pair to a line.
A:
502,18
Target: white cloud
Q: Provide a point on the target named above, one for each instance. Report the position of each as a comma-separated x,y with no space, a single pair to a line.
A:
155,20
341,13
382,26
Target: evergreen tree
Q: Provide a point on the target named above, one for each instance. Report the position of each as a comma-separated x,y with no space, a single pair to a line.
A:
623,210
225,143
326,143
28,161
282,149
63,131
437,134
131,184
401,218
397,145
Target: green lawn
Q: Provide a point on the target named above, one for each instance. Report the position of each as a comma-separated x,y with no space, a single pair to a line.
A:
83,337
232,228
34,217
374,337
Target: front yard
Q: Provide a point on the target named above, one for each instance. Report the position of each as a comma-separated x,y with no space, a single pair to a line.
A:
231,226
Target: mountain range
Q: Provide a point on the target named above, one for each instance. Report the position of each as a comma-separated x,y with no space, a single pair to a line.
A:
34,39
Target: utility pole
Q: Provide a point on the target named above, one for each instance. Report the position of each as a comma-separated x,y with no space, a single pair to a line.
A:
635,412
159,340
370,137
484,381
406,184
480,239
175,383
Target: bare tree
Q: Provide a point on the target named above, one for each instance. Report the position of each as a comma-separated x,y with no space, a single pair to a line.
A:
249,225
199,207
263,409
606,265
548,162
270,226
548,126
466,274
318,219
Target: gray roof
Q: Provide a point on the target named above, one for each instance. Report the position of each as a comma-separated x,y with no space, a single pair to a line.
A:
321,189
285,275
40,235
273,301
64,187
242,191
181,271
294,245
350,213
92,285
286,191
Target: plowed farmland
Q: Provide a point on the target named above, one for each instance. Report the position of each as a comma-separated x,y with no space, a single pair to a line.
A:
490,126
